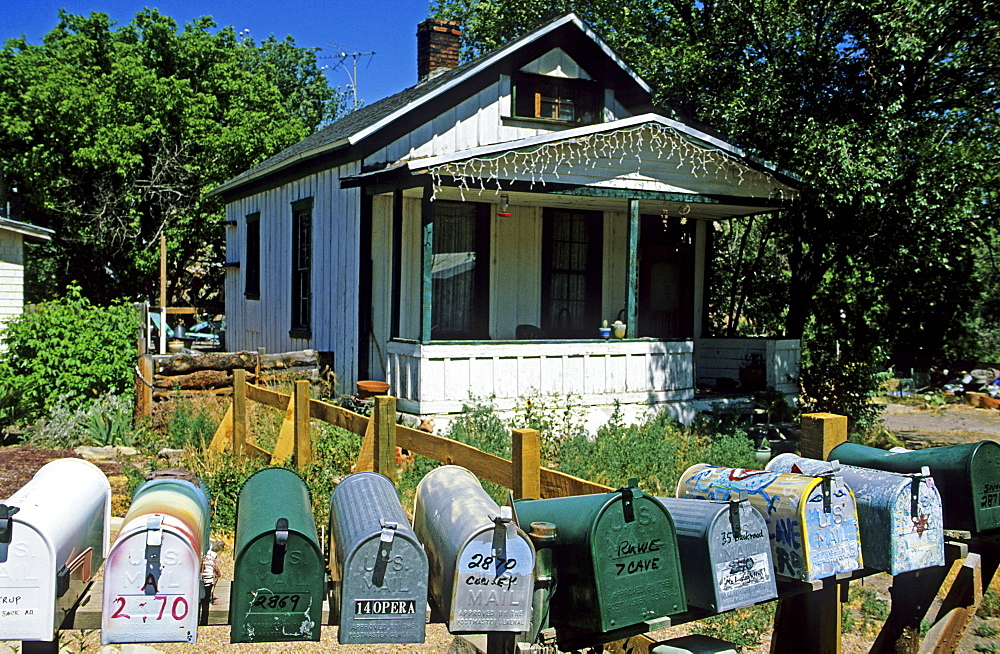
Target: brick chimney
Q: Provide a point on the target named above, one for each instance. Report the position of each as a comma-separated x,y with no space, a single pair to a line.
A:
437,46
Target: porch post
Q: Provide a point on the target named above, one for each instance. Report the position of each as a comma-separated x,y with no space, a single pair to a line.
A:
632,270
426,264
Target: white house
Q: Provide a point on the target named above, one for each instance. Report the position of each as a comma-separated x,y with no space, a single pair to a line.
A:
13,235
469,235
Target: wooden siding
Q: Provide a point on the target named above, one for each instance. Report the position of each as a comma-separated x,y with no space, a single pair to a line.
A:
515,270
477,121
615,270
438,378
382,284
11,275
334,321
717,358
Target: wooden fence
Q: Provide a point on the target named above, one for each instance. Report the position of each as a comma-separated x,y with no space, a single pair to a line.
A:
807,613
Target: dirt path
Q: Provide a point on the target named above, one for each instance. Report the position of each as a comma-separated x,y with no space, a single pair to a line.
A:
950,425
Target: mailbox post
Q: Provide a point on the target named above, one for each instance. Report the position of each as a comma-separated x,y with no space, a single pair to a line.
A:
382,567
812,521
480,562
900,515
726,553
152,580
278,578
967,476
616,557
52,541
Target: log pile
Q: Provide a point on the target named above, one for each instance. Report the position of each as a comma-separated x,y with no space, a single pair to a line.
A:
213,371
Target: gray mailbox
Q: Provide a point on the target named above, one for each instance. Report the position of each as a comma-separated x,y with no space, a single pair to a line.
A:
481,563
382,567
899,515
53,538
725,551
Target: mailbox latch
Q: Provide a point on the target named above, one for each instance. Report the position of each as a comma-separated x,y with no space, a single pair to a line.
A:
280,545
384,551
628,510
7,523
501,524
734,514
826,483
925,473
154,537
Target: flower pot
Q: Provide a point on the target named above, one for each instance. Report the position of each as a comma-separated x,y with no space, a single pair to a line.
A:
605,332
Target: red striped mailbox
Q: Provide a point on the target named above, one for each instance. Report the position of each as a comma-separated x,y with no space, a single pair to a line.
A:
152,581
52,542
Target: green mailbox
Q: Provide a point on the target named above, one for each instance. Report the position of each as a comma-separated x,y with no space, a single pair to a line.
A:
279,581
966,475
615,556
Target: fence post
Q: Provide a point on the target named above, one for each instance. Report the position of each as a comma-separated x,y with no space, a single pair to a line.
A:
821,432
144,380
384,420
303,442
239,411
526,459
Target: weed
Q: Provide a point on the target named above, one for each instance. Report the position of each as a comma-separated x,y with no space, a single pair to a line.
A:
188,424
872,607
990,606
848,622
986,648
742,627
985,631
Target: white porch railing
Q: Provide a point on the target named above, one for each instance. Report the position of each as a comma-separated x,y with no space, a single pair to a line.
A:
722,358
437,377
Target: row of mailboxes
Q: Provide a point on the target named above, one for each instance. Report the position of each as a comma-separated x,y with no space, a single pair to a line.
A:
900,515
152,578
812,522
52,542
967,476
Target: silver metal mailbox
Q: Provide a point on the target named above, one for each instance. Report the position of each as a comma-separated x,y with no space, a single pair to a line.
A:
902,526
53,538
152,580
812,521
726,553
480,563
382,567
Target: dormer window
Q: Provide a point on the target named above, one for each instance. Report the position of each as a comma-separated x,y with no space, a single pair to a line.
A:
559,99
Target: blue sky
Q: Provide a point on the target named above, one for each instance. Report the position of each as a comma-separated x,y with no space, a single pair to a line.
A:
386,27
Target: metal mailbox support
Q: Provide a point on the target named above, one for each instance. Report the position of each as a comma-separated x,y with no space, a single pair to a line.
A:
900,515
616,557
278,579
152,580
382,567
726,553
967,476
480,562
812,521
53,538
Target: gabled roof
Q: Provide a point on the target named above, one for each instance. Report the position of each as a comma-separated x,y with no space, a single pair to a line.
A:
30,232
366,121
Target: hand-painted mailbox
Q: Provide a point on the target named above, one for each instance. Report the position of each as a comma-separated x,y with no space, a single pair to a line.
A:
53,538
812,522
279,581
382,567
152,580
480,563
726,553
900,515
616,558
967,476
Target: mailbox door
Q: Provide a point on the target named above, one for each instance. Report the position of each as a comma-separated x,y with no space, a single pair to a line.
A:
27,588
152,586
384,599
493,592
917,532
984,473
277,604
833,536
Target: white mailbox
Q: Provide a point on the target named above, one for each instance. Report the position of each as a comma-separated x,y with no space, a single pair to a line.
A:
152,580
53,538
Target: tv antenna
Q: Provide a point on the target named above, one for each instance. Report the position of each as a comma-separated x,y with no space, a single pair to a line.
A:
352,74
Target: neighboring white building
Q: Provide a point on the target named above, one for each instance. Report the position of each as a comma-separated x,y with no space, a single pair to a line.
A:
468,235
13,235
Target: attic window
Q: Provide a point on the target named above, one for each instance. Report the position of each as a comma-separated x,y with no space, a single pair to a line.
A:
556,98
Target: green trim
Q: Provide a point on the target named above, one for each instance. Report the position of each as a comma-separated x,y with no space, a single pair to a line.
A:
426,264
663,196
632,271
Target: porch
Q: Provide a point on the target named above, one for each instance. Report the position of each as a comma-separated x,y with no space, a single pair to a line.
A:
680,376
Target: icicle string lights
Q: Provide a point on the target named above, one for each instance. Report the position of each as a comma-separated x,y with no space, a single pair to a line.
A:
537,164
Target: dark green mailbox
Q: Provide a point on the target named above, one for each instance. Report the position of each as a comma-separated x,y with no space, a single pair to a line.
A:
967,476
615,556
279,581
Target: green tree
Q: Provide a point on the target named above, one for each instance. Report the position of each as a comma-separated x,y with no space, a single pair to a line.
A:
112,135
888,112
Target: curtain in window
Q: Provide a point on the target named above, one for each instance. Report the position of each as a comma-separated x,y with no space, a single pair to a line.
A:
453,272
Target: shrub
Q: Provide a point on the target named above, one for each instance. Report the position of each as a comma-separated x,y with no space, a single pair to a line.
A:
65,349
106,421
742,627
186,424
990,606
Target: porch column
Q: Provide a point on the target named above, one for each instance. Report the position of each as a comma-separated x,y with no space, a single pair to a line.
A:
632,269
426,264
